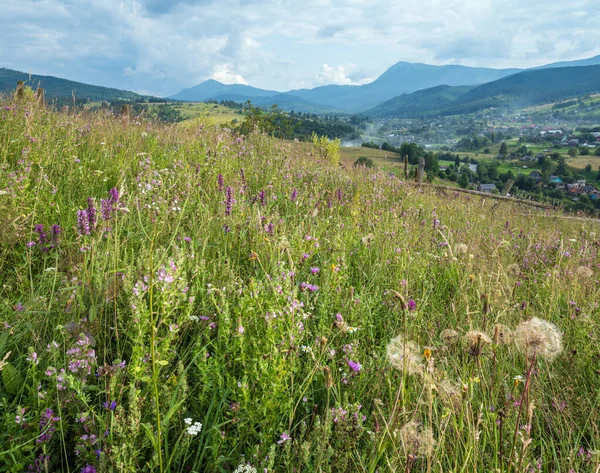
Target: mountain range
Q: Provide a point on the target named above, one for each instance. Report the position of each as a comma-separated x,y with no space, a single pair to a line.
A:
404,90
401,78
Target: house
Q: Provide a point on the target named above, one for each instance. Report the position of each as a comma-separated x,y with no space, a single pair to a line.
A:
528,158
555,179
488,188
580,183
501,156
443,168
540,155
536,176
589,189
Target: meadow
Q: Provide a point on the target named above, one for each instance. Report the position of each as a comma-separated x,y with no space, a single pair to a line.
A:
185,299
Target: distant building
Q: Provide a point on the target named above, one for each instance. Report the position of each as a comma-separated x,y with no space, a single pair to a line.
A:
536,176
488,188
528,158
555,179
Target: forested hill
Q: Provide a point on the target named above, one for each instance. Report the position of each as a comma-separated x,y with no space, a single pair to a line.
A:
525,88
62,88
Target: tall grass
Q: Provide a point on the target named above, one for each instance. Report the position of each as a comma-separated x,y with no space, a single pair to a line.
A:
231,304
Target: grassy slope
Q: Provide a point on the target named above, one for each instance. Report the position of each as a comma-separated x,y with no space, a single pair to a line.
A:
211,313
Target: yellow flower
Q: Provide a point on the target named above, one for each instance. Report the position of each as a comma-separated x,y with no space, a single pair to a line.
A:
427,353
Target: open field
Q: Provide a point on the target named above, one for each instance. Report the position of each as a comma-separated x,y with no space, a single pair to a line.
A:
183,299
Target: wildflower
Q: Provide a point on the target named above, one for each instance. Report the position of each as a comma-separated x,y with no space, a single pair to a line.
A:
449,336
502,334
111,406
229,200
83,222
284,438
314,270
309,287
460,249
88,469
33,358
584,272
416,440
354,365
538,337
294,195
412,305
518,379
403,354
476,342
220,181
194,429
92,213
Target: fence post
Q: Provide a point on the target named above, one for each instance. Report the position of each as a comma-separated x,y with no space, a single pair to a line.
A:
405,167
40,96
420,170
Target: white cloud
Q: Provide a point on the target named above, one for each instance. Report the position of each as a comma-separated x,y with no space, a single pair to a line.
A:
222,73
341,75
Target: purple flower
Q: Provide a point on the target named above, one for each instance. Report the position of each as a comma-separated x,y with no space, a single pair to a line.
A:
92,213
314,270
229,200
56,231
354,365
111,406
412,305
83,222
220,181
284,438
310,287
39,229
88,469
294,195
261,196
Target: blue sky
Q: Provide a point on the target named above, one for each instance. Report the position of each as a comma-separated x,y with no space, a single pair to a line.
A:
160,47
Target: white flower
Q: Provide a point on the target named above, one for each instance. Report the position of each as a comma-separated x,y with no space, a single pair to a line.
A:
188,420
194,429
194,318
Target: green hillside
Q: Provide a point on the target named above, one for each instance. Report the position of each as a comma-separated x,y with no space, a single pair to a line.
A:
524,89
422,102
63,88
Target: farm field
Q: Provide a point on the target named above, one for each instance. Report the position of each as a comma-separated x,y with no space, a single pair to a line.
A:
185,299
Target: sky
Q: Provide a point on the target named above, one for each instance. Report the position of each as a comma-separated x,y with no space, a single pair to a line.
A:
160,47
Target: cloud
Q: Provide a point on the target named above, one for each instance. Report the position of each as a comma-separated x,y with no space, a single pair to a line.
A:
348,74
164,46
222,73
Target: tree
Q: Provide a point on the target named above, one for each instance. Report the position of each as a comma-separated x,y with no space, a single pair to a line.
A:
561,169
463,181
457,161
364,161
328,149
503,148
588,168
572,152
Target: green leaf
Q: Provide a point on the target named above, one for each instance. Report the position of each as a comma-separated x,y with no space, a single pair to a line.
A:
12,379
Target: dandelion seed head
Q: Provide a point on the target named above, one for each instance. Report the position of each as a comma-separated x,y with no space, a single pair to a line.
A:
449,336
584,272
416,440
476,341
403,353
538,337
513,270
461,249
